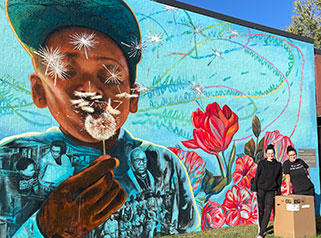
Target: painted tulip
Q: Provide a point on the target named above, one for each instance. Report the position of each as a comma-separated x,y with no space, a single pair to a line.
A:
213,129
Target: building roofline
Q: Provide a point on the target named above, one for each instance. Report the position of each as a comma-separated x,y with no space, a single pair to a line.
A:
238,21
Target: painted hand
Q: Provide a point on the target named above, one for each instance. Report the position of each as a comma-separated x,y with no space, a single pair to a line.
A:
82,202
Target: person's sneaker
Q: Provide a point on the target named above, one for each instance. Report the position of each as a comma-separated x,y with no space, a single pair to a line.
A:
259,236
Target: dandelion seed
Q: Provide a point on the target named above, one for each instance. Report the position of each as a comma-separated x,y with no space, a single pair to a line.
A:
174,10
126,95
49,56
233,32
57,69
156,39
114,75
84,94
118,89
141,88
197,88
80,103
216,54
83,104
170,8
119,103
96,97
83,41
135,47
110,109
77,101
88,109
196,30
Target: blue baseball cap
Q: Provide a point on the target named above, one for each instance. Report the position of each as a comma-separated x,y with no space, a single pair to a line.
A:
33,20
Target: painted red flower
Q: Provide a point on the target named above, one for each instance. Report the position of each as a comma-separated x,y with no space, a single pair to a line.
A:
213,129
251,213
212,216
245,169
280,143
195,166
236,205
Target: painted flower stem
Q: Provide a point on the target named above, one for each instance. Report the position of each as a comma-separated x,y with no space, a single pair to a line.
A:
219,160
104,147
230,164
224,159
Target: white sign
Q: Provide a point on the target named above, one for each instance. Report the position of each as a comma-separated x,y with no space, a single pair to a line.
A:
293,207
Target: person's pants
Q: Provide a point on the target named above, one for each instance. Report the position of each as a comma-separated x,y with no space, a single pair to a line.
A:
265,201
309,192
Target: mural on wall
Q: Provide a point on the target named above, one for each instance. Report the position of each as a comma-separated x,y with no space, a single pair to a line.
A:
200,98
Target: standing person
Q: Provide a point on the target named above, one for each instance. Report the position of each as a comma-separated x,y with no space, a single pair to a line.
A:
267,181
297,172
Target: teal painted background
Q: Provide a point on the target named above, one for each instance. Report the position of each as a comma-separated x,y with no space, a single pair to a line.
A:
251,71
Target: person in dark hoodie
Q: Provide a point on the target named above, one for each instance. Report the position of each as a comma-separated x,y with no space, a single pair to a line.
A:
297,172
266,183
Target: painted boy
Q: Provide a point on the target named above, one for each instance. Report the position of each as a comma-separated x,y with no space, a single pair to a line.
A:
85,71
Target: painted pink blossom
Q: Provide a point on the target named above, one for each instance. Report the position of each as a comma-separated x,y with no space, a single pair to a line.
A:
212,216
251,213
236,206
280,143
245,170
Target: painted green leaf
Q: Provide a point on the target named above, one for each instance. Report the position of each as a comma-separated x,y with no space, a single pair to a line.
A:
259,155
256,126
249,148
213,184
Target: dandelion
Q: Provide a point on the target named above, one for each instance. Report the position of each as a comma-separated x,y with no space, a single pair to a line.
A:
135,47
114,75
101,128
83,41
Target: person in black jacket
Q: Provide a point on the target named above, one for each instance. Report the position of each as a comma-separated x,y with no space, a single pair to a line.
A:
267,181
297,171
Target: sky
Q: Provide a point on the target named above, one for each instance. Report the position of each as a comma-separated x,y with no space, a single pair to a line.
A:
272,13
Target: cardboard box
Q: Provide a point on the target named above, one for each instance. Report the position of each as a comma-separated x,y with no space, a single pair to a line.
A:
294,216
